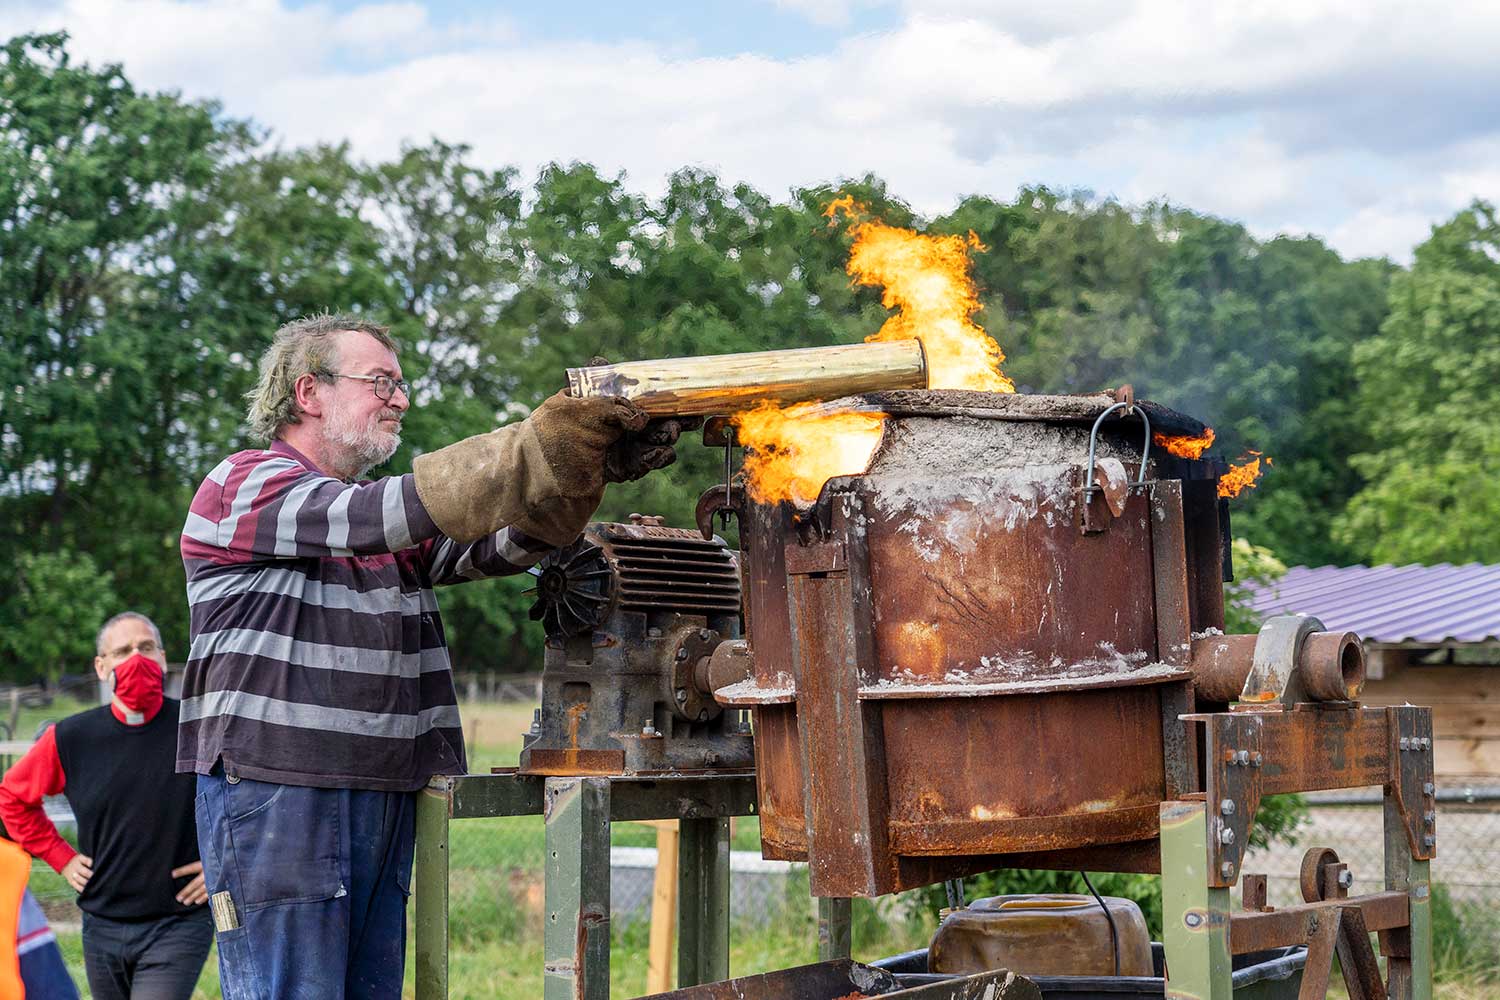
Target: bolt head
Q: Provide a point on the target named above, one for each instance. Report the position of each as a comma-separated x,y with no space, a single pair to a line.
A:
1242,758
1227,807
705,634
1426,743
1428,788
1194,919
1226,836
682,654
1428,840
1404,743
1430,818
1226,869
681,696
653,632
1346,878
1258,759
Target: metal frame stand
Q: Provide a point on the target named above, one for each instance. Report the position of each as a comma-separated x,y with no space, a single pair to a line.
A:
1203,840
578,812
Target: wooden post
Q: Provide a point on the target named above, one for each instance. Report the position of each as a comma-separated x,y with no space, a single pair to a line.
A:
730,383
663,909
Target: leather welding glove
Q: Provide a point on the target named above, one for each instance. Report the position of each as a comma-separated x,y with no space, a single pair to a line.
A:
544,475
637,453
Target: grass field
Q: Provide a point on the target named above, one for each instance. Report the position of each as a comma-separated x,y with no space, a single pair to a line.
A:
496,894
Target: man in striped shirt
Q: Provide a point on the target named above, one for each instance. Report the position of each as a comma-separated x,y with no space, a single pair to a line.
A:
318,695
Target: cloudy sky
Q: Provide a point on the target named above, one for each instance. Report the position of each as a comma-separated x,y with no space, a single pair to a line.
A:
1361,121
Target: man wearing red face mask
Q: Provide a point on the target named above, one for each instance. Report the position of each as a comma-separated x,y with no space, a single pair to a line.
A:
146,932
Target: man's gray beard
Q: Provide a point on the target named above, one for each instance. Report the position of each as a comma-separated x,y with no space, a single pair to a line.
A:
362,448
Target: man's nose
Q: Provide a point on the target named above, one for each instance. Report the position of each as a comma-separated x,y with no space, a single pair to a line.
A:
399,400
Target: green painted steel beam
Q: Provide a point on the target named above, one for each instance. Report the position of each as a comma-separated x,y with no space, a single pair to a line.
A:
477,796
1195,917
703,901
575,940
835,928
1409,978
430,880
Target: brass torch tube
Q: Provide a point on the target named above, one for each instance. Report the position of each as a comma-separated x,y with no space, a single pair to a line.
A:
729,383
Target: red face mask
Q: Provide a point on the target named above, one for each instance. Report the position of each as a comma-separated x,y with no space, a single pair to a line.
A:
138,684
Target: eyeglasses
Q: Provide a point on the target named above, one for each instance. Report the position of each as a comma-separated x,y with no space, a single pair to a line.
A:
385,386
145,647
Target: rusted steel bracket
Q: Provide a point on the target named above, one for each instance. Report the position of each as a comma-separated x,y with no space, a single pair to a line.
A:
847,805
1412,781
1312,748
1252,931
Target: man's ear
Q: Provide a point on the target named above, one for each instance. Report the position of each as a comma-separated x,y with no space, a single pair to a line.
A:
99,667
306,390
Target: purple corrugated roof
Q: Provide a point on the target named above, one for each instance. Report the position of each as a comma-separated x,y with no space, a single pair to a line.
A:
1432,604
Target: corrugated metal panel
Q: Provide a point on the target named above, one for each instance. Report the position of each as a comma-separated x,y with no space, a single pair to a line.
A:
1433,604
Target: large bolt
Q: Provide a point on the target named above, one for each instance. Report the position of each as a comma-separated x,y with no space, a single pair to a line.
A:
681,653
1428,840
1428,788
681,696
1346,878
1227,807
705,634
1226,836
1242,758
1430,818
1194,919
1227,869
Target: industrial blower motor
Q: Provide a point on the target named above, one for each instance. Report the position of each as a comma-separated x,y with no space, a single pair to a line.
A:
642,624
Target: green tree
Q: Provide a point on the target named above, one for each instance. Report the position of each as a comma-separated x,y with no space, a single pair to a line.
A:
1430,392
54,609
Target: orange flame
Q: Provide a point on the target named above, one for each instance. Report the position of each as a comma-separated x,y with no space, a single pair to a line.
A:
1185,445
796,450
927,280
1241,477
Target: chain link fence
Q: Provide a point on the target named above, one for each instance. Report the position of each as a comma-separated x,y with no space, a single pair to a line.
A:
1465,873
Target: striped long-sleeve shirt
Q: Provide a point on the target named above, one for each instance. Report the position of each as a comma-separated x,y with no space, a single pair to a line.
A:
318,655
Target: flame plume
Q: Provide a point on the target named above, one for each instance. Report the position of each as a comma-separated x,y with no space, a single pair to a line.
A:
926,279
1185,445
1241,477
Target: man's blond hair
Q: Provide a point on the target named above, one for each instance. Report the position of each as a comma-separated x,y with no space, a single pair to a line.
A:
306,346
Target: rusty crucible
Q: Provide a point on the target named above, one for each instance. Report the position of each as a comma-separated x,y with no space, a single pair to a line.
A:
976,654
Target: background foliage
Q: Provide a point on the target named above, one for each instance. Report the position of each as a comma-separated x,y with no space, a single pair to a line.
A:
150,245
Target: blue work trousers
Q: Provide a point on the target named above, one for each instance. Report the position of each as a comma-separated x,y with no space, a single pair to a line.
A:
317,882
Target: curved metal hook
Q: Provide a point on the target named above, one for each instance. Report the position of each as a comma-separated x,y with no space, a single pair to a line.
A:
1094,440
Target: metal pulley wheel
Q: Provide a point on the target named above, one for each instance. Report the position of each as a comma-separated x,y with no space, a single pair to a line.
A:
574,587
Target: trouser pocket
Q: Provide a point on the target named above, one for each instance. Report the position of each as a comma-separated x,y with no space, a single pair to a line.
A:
271,843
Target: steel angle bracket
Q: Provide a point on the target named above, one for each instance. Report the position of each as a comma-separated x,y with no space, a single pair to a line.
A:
1235,758
1412,781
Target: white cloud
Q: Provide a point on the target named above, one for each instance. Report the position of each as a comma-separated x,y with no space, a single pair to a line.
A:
1362,122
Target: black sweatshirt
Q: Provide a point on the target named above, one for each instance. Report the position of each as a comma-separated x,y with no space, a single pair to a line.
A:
135,813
